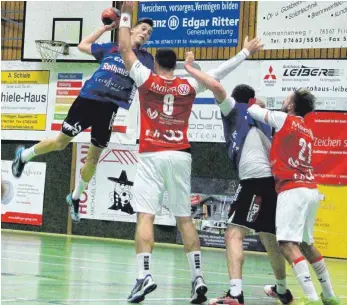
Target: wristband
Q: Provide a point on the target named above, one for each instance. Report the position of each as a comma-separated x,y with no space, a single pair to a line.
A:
247,53
125,20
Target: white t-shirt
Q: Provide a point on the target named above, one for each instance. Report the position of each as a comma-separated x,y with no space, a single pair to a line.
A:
254,161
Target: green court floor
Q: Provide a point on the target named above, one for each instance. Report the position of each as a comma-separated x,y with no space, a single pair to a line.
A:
50,269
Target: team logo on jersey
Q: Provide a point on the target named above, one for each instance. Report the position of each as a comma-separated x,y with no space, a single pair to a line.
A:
183,89
152,114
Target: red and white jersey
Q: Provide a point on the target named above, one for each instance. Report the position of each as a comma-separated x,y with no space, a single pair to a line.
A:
165,107
291,150
291,155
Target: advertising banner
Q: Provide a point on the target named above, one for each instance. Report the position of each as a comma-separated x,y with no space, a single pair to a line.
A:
192,23
109,193
326,79
24,99
22,199
302,24
329,153
331,228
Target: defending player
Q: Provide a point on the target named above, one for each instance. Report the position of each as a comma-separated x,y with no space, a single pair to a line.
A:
109,88
248,143
298,196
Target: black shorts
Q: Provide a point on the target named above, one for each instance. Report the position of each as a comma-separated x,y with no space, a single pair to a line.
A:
85,113
254,205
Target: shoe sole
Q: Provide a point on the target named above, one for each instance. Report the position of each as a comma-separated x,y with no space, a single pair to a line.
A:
140,298
200,298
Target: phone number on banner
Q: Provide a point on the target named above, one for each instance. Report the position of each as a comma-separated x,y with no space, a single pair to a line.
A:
195,41
309,39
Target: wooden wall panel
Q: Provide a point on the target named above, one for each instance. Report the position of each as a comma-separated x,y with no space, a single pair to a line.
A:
11,49
11,32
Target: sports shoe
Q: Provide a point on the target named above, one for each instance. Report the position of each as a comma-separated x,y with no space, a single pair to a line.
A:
142,287
270,291
330,301
306,301
228,299
74,207
199,290
17,163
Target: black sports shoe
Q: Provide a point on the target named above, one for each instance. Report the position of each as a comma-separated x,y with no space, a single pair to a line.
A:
142,287
270,291
17,163
199,290
74,207
227,298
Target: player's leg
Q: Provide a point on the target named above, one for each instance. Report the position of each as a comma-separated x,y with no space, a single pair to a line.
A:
100,137
75,122
312,254
291,215
177,183
242,217
265,224
147,191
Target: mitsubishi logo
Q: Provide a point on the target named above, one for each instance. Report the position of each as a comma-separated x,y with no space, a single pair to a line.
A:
270,75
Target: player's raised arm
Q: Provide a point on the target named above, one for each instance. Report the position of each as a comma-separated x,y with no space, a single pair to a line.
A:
249,47
275,119
208,81
125,48
85,45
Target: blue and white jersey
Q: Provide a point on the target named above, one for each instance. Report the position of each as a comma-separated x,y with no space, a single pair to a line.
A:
111,81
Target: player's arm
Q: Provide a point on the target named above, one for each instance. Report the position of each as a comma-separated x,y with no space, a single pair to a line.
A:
208,81
275,119
124,38
249,47
225,103
85,45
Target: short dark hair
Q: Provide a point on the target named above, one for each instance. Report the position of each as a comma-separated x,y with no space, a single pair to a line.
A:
242,93
304,102
166,59
149,21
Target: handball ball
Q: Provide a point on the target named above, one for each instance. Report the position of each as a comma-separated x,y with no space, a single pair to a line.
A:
109,15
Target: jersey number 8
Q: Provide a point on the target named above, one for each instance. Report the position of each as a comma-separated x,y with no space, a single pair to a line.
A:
168,104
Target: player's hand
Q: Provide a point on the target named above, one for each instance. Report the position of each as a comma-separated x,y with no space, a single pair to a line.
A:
111,26
189,59
128,7
254,45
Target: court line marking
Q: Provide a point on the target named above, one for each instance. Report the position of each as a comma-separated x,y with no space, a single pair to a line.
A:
130,264
259,276
97,269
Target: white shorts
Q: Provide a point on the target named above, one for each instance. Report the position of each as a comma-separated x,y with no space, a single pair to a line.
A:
160,171
295,215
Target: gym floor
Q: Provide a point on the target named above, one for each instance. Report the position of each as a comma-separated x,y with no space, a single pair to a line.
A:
40,269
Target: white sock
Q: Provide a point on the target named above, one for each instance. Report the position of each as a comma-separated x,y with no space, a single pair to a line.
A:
323,277
80,187
281,286
194,260
235,287
28,154
144,261
302,273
